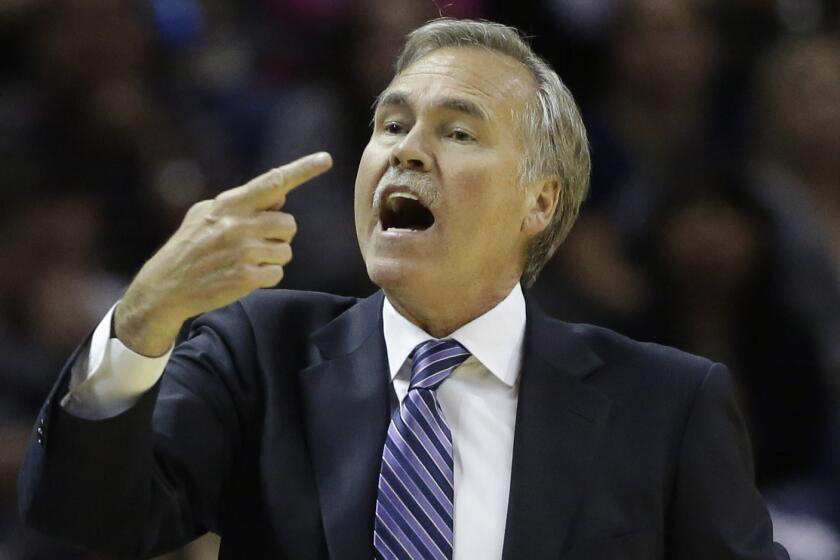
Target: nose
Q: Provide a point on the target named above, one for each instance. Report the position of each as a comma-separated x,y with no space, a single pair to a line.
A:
412,153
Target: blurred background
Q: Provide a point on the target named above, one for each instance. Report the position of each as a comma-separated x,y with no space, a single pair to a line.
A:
713,222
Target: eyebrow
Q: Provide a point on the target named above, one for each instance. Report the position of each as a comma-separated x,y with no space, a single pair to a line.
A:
465,106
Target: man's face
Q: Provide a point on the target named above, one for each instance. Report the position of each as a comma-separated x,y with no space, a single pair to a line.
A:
437,201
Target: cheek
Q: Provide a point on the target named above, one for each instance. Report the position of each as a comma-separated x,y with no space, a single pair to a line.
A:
490,203
492,188
371,167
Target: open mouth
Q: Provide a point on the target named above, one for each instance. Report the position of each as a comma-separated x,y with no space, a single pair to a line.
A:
403,211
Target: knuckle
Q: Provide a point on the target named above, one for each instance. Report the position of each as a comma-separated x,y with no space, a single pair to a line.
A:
285,252
275,276
279,204
284,226
248,274
224,199
291,224
278,176
264,276
278,225
250,254
199,208
229,229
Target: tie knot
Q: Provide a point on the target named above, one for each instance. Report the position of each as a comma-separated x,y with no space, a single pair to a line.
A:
433,361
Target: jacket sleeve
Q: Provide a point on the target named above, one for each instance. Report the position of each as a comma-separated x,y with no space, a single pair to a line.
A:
112,378
716,510
151,478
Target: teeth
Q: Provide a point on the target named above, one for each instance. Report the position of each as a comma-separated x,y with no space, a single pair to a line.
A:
398,215
393,197
402,195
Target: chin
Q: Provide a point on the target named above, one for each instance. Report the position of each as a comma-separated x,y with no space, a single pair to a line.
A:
393,274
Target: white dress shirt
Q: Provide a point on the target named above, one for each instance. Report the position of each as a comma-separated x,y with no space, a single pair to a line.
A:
478,400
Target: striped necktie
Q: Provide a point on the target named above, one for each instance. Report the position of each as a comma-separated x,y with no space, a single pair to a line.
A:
414,506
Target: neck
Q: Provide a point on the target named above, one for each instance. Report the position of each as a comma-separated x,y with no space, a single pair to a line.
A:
440,316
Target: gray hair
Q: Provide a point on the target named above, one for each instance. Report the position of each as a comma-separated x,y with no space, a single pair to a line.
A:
556,144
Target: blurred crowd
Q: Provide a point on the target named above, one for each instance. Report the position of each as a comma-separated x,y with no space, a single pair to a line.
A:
713,222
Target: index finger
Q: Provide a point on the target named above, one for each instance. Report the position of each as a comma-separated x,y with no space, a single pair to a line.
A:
270,188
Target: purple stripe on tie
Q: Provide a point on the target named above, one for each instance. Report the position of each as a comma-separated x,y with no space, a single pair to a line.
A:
425,531
423,350
440,439
397,552
433,376
412,423
413,451
414,482
402,539
403,530
436,532
383,551
421,364
436,363
414,510
426,409
437,425
406,489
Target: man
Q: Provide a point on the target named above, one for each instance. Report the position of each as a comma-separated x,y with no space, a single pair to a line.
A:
444,417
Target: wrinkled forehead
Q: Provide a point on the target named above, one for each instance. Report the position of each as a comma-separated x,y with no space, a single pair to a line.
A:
492,80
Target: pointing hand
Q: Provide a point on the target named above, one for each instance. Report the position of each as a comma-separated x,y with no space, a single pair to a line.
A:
224,249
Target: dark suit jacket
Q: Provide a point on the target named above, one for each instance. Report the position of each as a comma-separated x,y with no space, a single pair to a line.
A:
269,422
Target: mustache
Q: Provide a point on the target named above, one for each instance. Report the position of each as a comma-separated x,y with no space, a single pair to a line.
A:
417,183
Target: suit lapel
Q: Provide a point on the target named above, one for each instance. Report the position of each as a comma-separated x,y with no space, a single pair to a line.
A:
346,399
559,422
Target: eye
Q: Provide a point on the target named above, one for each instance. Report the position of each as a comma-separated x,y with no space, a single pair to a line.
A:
393,127
461,136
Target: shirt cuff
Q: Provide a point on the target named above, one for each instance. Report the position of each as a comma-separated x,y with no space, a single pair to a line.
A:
115,377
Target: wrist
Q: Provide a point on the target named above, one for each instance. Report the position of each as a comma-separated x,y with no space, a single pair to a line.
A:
143,329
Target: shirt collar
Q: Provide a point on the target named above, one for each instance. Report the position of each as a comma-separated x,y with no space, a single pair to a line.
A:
494,339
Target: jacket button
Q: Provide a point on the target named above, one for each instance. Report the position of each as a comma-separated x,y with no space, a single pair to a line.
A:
40,440
42,421
40,431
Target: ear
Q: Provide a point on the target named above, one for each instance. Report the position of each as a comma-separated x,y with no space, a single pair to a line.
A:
543,197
